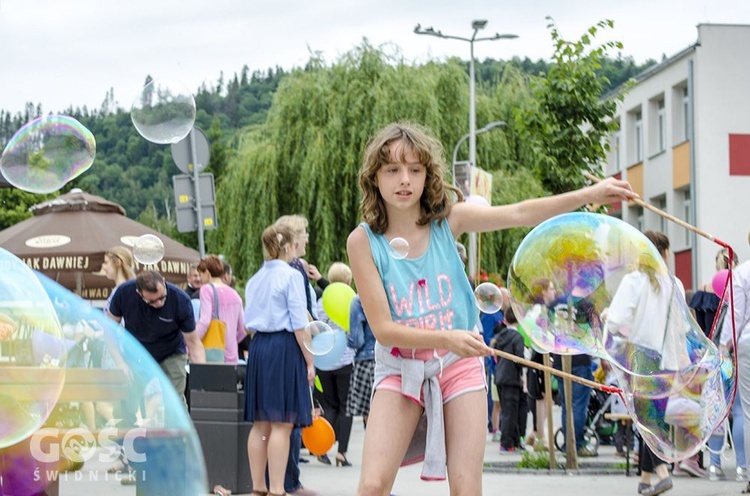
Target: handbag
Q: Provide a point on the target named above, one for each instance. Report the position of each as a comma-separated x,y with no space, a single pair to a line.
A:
214,339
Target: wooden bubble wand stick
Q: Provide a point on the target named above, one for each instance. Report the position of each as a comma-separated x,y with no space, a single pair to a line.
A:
664,214
559,373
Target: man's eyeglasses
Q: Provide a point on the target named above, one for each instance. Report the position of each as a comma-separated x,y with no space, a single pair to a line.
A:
154,300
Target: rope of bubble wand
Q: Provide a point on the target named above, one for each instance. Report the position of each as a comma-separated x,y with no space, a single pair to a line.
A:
559,373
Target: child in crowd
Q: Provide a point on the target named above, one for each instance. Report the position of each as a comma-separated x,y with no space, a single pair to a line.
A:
509,381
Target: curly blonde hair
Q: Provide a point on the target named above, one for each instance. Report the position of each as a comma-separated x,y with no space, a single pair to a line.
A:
436,201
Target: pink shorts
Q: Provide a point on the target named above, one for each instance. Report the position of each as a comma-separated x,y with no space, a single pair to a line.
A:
460,377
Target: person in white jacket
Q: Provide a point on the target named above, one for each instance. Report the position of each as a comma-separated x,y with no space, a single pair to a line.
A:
741,287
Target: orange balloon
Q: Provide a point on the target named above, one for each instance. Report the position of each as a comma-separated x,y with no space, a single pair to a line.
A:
318,437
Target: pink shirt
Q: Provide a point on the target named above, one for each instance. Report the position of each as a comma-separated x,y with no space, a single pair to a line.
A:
230,312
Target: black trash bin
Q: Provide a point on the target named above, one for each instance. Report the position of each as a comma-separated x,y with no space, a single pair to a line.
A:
216,408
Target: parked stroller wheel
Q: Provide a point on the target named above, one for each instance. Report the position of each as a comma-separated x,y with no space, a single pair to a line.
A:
590,439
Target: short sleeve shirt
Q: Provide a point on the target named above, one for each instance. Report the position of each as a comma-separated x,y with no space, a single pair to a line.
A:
159,330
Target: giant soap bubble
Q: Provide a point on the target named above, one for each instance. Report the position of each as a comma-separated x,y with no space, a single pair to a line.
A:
46,153
32,352
590,283
112,399
164,112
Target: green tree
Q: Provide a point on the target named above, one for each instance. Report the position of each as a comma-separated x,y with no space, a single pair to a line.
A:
568,123
15,204
306,158
498,248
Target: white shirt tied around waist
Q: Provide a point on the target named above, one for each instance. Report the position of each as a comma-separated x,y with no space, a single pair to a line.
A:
418,376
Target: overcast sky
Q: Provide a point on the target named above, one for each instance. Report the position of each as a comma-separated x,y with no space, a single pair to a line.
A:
70,52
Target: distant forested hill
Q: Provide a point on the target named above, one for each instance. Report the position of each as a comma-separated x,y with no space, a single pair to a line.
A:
138,175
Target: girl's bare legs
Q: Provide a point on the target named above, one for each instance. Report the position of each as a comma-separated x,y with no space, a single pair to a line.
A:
390,426
257,453
495,414
87,407
105,409
465,425
278,454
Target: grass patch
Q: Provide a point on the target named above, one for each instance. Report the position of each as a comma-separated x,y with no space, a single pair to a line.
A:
532,459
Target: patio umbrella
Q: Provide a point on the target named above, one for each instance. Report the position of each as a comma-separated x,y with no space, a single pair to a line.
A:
67,237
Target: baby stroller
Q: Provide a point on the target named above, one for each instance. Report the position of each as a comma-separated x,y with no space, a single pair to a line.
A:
598,429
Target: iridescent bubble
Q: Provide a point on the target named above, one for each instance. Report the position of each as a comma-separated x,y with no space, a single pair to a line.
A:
164,112
488,298
399,248
320,338
589,283
105,366
47,153
32,352
148,249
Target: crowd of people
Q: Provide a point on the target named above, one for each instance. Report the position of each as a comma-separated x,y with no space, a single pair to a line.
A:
416,368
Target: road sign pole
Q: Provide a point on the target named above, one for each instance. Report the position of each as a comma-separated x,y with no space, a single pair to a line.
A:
196,186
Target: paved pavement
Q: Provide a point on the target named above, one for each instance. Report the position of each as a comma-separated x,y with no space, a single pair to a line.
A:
609,478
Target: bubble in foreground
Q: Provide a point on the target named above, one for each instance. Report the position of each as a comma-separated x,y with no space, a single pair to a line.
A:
399,248
163,112
106,367
488,298
321,338
148,249
32,352
47,153
589,283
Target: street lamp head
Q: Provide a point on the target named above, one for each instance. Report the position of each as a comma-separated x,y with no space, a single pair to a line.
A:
478,24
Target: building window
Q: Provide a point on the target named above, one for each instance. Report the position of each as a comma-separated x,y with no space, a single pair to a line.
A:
661,204
618,164
685,114
686,206
661,127
638,137
639,222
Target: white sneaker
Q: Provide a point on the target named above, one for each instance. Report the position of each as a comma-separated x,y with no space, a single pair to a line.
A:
715,473
741,474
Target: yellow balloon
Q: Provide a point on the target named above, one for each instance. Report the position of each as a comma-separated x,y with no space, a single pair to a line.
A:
336,300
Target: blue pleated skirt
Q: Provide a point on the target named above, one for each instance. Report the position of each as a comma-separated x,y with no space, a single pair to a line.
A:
276,388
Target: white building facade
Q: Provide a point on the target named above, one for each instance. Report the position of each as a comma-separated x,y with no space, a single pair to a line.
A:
684,145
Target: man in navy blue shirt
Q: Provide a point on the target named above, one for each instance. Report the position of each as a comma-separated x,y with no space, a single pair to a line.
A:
160,316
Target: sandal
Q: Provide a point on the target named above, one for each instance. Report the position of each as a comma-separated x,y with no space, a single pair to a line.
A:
223,491
122,466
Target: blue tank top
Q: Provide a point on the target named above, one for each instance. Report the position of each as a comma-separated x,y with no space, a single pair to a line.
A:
429,292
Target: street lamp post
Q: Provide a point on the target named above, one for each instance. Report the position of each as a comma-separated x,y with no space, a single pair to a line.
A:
476,25
488,127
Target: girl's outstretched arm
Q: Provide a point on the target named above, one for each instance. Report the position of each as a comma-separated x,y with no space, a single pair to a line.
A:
467,217
375,304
